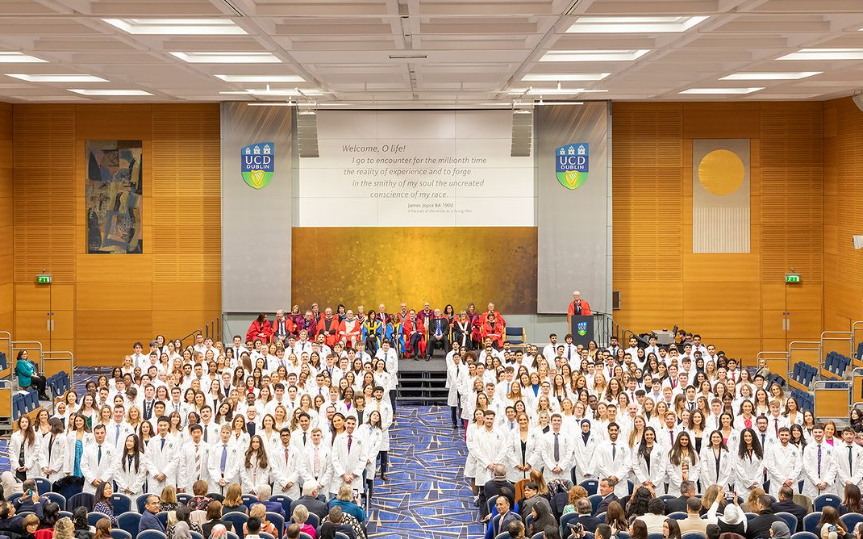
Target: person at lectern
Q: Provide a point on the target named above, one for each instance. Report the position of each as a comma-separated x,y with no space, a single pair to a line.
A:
577,307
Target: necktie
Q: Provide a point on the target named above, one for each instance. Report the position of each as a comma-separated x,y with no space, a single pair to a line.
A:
317,462
197,462
99,458
671,434
304,438
162,448
116,434
350,441
850,459
568,353
819,461
776,426
763,436
613,451
286,454
205,432
224,458
556,447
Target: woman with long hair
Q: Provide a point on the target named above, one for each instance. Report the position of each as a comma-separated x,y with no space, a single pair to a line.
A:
55,449
649,460
25,450
233,502
615,517
716,461
104,503
130,468
524,449
372,431
851,502
256,466
683,463
78,437
749,469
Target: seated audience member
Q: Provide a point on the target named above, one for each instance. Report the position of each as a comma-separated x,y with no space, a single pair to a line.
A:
199,500
148,517
292,531
786,505
851,502
345,501
638,529
300,516
671,529
516,530
30,524
103,529
9,520
693,521
678,505
233,502
260,512
183,515
310,500
606,490
712,531
218,532
30,501
81,527
542,518
585,521
104,503
214,518
759,527
252,527
340,522
264,492
493,487
50,516
603,531
779,530
655,516
531,499
503,505
64,529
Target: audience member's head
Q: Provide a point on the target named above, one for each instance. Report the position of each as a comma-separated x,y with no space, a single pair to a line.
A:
779,530
656,506
293,530
765,503
263,492
638,529
214,510
253,525
583,506
64,529
199,487
693,506
300,514
687,489
786,493
310,489
603,531
219,530
712,531
79,518
335,515
516,530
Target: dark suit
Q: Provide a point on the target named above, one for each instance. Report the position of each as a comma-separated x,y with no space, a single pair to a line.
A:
603,505
490,489
588,522
433,340
314,506
788,506
759,527
150,522
675,505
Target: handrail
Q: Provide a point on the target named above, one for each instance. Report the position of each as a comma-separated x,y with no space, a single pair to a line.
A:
37,347
841,336
7,336
856,326
768,355
212,330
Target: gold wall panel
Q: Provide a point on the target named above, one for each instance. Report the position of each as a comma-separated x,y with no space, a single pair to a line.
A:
368,266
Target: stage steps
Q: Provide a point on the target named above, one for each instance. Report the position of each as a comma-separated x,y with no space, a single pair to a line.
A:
422,387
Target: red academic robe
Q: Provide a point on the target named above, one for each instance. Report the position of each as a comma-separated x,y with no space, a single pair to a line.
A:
290,328
351,332
330,329
409,328
495,333
497,316
256,329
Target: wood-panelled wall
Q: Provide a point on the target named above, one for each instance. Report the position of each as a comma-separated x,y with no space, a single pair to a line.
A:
843,214
6,221
102,303
733,300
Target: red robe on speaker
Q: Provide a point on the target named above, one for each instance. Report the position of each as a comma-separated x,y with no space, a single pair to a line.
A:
350,332
329,326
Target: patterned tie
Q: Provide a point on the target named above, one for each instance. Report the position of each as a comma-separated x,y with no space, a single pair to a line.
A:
317,461
819,461
286,454
197,462
350,441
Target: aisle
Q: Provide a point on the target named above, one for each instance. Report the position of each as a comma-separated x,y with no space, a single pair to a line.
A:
426,494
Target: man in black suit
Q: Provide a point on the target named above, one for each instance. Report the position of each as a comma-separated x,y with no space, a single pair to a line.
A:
587,522
310,500
759,527
606,489
786,505
438,328
493,487
674,505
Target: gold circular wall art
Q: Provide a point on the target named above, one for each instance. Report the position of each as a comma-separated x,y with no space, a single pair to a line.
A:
721,172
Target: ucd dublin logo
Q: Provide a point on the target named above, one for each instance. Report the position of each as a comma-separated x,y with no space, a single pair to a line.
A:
581,328
572,165
258,162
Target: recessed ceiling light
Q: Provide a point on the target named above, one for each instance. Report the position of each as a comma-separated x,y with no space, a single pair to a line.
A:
18,57
771,76
261,78
825,54
270,92
564,77
594,55
56,78
107,93
227,57
720,91
177,26
553,91
634,25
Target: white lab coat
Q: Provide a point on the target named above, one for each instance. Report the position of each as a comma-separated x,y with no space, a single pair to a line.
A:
163,461
233,463
71,439
125,475
565,460
709,475
675,473
323,471
349,462
618,466
54,456
374,438
253,475
749,474
844,474
658,465
32,454
488,447
585,467
815,472
386,411
286,471
782,462
187,472
531,454
453,373
94,468
116,434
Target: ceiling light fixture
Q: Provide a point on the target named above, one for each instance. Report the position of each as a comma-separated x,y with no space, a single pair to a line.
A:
825,54
772,76
227,57
563,77
634,25
177,26
593,55
109,93
261,78
719,91
18,58
56,78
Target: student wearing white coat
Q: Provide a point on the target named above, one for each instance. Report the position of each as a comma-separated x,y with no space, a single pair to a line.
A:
117,430
524,450
557,449
783,462
371,431
586,443
194,456
649,460
163,452
54,452
350,453
717,462
819,473
97,462
489,447
130,467
683,463
285,464
255,467
225,461
848,461
316,465
387,418
613,461
749,465
455,370
25,450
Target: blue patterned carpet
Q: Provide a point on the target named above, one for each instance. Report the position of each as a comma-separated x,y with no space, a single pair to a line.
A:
426,495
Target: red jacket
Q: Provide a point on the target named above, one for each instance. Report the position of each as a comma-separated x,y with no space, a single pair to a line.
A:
256,329
585,308
330,329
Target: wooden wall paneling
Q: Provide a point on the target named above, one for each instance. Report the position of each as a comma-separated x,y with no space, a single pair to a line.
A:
7,236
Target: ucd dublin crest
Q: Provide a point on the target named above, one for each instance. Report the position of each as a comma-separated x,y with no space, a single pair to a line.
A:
258,163
581,328
572,165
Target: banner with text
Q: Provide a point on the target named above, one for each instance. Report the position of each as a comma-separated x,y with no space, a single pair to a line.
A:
418,169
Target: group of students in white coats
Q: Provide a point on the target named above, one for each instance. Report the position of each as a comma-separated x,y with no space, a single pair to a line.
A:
558,418
253,428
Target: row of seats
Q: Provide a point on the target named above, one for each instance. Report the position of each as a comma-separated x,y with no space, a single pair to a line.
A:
59,384
837,363
805,400
24,402
803,373
775,378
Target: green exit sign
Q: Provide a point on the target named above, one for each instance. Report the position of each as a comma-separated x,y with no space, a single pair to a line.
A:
792,278
43,278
